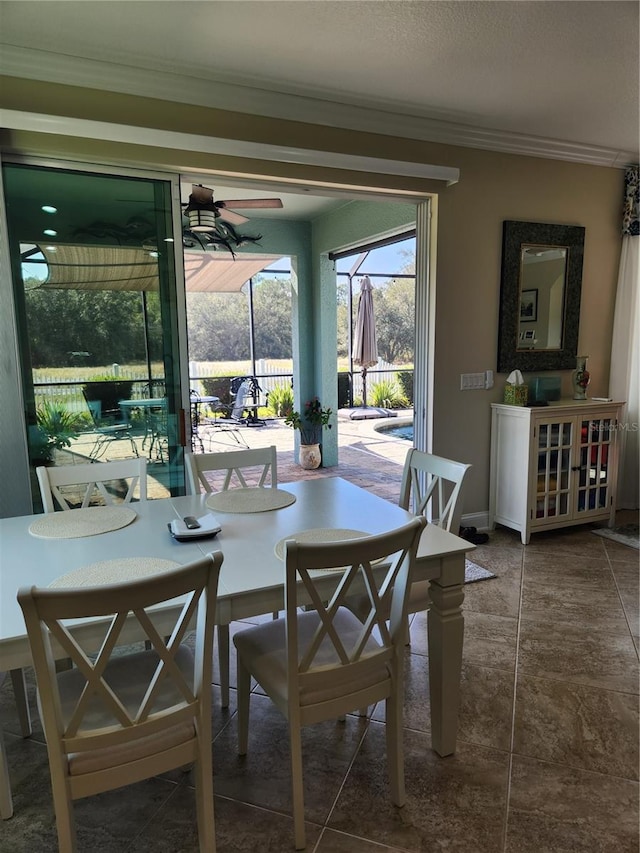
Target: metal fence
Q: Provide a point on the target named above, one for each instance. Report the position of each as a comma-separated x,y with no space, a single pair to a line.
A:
68,393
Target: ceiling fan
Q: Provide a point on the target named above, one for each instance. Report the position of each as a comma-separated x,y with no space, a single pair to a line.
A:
203,212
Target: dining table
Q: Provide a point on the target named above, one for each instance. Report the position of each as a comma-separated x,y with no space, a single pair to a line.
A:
252,576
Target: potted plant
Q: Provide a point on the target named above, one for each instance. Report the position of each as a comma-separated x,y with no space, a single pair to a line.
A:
55,427
310,424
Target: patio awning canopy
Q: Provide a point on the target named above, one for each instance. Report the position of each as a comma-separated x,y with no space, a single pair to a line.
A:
128,268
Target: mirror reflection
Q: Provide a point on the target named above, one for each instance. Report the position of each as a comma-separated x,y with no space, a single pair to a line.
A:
543,272
540,285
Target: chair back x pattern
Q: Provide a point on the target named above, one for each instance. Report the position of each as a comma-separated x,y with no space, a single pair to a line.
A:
45,611
355,559
92,478
94,672
432,479
233,463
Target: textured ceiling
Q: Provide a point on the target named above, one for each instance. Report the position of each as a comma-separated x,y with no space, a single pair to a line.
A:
553,69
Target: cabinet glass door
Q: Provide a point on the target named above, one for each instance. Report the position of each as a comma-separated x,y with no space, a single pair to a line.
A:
593,476
553,483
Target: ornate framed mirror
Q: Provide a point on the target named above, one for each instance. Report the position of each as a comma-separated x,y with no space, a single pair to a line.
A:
540,292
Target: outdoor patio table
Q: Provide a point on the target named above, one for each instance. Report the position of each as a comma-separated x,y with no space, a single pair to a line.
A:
151,407
252,577
196,402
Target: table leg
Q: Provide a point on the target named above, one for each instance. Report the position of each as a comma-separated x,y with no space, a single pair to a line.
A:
446,631
6,802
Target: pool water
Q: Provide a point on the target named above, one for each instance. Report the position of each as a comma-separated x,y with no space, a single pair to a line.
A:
404,431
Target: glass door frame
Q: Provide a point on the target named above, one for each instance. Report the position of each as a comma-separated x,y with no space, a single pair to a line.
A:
17,443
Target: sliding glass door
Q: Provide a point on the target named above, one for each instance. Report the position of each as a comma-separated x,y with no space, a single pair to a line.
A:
94,275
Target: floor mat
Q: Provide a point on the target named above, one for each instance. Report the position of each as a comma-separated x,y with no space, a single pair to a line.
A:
627,534
473,572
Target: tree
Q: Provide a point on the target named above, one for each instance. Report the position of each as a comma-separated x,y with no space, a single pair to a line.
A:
107,324
395,320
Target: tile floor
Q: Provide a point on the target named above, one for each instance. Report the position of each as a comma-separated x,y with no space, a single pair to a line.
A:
547,756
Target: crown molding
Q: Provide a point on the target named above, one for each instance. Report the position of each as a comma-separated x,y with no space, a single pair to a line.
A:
89,129
379,118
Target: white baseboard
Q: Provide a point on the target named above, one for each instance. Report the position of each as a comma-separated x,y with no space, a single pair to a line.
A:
479,520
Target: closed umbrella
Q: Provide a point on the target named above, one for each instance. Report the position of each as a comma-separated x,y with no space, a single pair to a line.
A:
365,344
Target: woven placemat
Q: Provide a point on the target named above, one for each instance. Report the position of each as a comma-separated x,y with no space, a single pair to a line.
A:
76,523
317,536
250,500
114,571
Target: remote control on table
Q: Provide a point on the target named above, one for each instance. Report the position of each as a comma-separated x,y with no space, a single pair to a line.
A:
191,522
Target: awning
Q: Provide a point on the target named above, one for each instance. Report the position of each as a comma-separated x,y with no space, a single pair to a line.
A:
128,268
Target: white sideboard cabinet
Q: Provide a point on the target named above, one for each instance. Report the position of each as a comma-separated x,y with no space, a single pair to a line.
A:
553,466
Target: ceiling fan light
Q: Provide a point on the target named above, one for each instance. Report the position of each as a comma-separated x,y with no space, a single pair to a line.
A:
202,220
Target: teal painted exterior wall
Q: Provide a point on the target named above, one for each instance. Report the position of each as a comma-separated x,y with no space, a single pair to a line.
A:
314,330
354,223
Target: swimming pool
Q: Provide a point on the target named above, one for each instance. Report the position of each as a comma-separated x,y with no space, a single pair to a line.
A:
397,430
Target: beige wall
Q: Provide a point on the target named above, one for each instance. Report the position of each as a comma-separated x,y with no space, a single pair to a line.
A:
492,187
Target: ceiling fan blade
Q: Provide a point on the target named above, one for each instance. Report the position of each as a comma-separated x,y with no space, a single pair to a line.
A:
232,217
248,203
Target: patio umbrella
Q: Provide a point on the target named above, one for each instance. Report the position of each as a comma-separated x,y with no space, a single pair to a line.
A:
365,345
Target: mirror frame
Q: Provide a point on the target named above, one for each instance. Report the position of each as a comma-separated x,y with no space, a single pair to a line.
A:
514,235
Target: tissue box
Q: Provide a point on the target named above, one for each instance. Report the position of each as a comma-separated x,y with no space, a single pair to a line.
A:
544,388
516,395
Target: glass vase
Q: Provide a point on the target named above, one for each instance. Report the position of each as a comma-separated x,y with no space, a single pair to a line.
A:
580,378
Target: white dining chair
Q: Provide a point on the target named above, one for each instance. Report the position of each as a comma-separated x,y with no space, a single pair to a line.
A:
431,486
263,464
324,662
93,477
115,719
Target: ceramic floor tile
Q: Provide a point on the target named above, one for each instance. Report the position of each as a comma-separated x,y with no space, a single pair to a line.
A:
621,553
263,777
584,727
573,654
240,828
489,640
573,607
106,822
555,809
568,540
486,703
504,537
417,707
339,842
453,804
571,573
499,596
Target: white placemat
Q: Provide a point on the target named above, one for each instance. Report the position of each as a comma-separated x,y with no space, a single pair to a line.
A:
250,500
318,535
114,571
76,523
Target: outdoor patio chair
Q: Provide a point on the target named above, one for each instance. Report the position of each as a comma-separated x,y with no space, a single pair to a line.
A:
323,663
91,480
264,464
431,485
107,430
115,719
245,392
